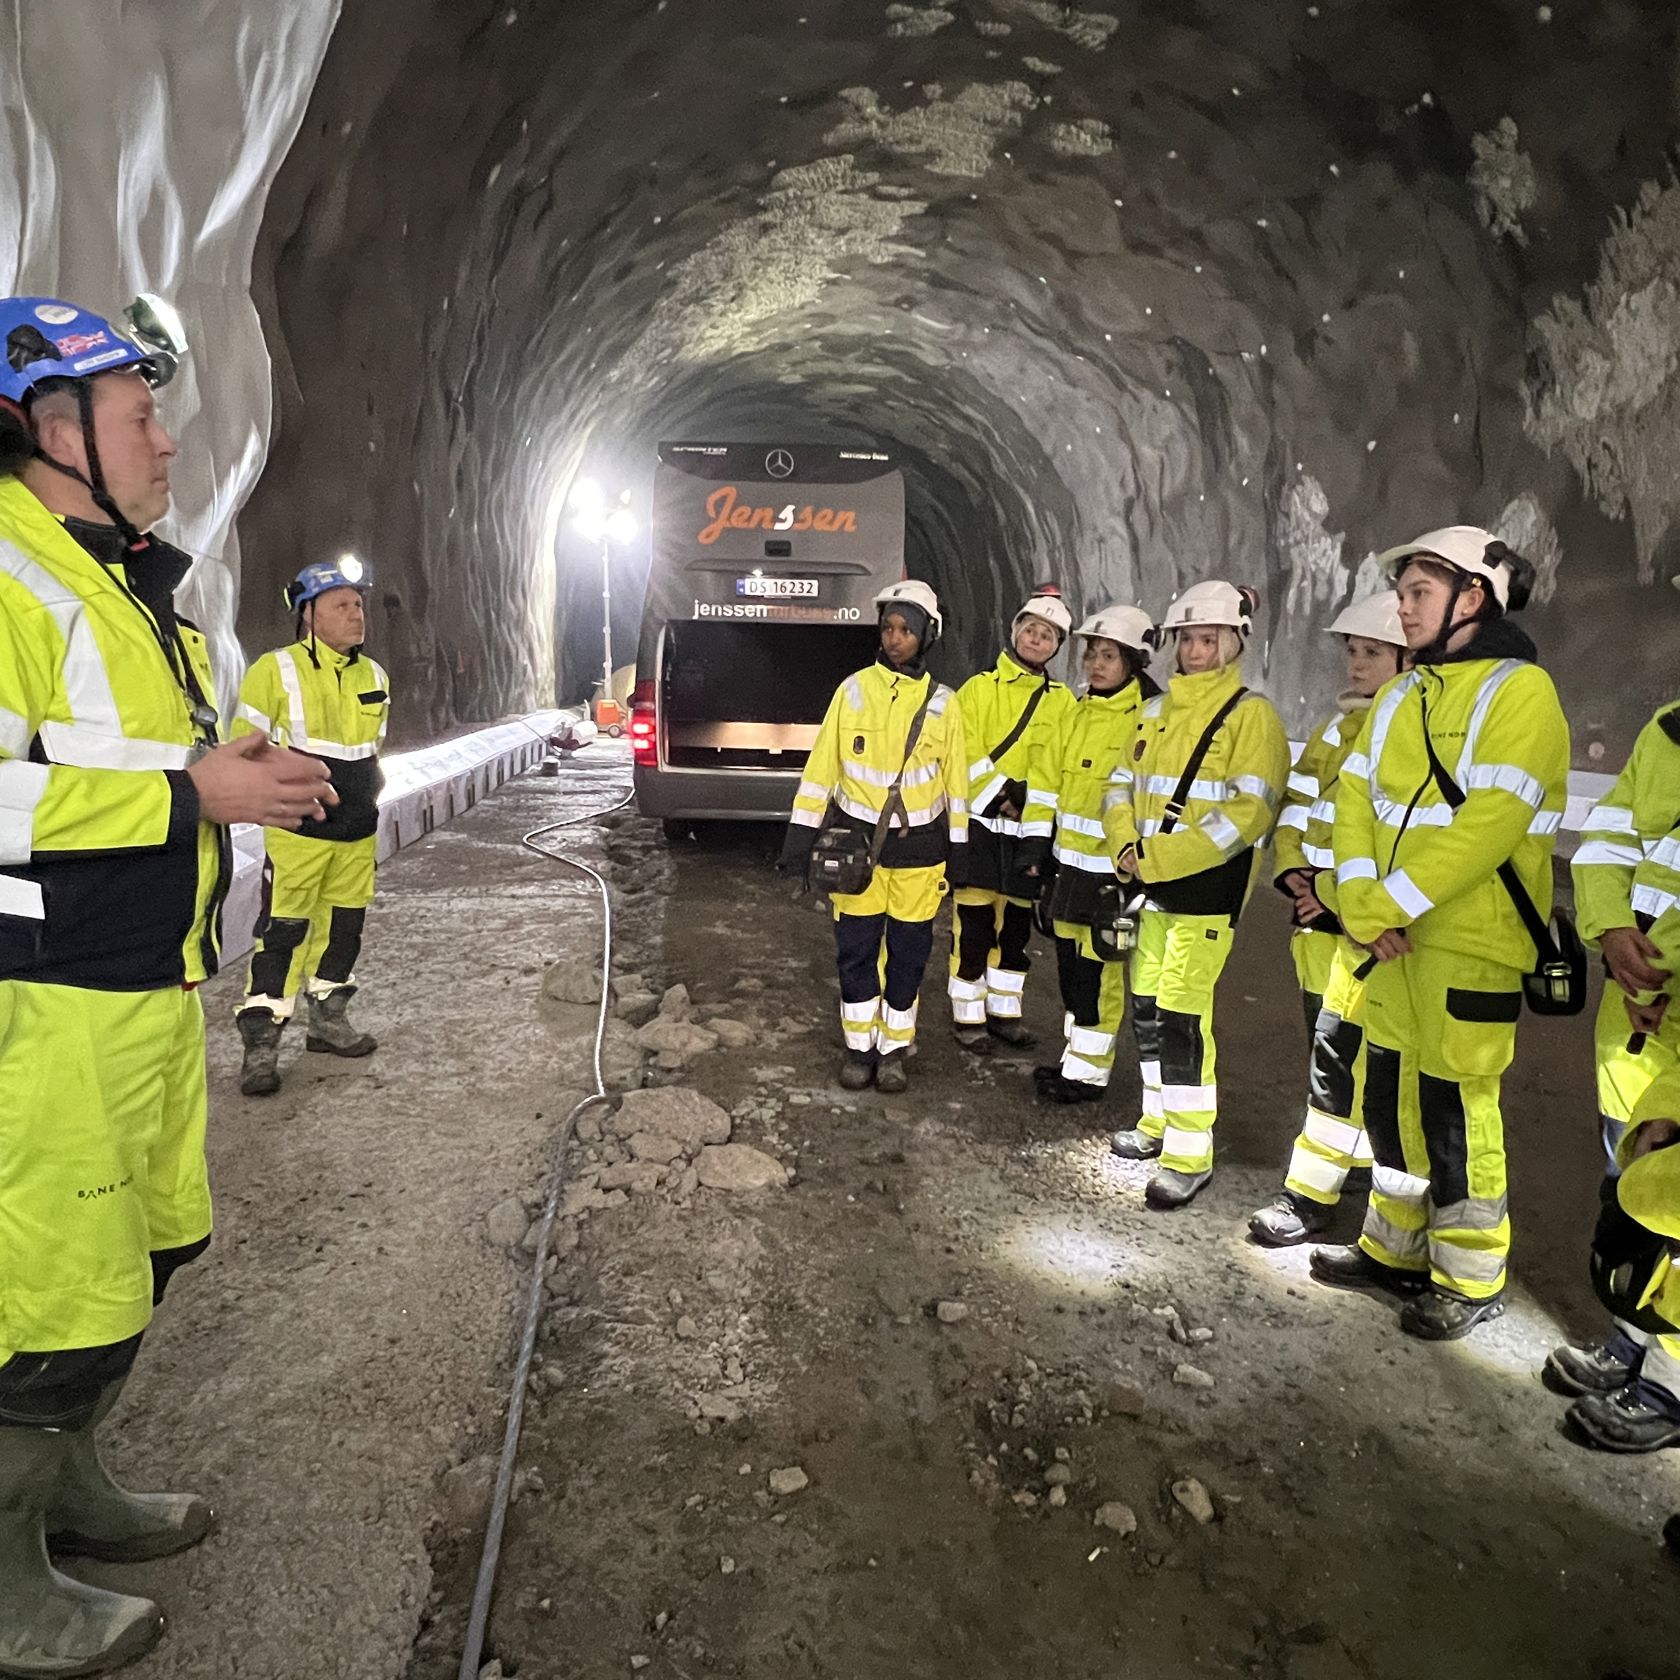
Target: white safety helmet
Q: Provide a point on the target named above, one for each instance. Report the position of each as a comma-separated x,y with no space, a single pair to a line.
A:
1476,553
1042,603
1129,626
916,594
1214,603
1376,617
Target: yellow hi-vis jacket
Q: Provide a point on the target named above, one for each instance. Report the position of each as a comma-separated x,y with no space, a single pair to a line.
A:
1302,839
1627,871
992,703
1203,864
857,757
108,879
333,706
1089,756
1404,857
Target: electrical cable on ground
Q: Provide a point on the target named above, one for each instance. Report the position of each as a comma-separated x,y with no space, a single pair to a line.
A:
485,1585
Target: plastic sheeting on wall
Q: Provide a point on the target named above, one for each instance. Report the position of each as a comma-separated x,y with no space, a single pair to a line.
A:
137,147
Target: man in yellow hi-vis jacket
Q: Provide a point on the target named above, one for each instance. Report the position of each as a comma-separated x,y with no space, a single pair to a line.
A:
883,933
1195,862
322,695
1627,895
1417,886
113,866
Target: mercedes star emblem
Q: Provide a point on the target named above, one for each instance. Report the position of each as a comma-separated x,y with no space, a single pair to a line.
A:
778,463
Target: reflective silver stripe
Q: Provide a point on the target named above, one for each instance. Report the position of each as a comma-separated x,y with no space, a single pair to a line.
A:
1122,777
94,749
1037,830
1607,852
1199,789
1403,890
1180,1140
941,697
854,694
1256,787
1470,1265
1042,796
1356,869
1306,786
297,724
1478,1213
1114,799
1403,1244
1359,764
984,796
1506,778
1083,860
1087,1041
342,749
1496,680
14,734
1189,1099
805,819
1548,822
1294,817
21,898
1402,1186
22,787
1650,902
1082,825
1356,765
1611,819
1084,1072
1333,1133
1222,832
812,790
1320,857
1152,708
1391,812
1662,854
980,767
263,725
957,987
917,819
1000,825
1005,980
1315,1172
1324,811
919,776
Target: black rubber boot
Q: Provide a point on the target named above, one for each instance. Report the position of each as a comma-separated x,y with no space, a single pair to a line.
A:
330,1028
1170,1189
1135,1145
1291,1219
50,1624
1593,1369
90,1516
857,1071
1058,1088
1010,1032
1350,1267
892,1075
1437,1316
1626,1421
260,1074
973,1038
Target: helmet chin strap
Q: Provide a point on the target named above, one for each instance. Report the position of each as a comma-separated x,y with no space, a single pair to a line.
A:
94,481
1436,648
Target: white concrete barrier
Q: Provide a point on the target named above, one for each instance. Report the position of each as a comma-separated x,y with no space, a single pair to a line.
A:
423,790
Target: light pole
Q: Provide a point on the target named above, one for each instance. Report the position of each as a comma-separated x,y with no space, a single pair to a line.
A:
598,521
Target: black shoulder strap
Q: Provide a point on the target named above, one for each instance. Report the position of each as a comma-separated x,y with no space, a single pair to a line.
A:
1021,722
1527,913
1181,793
894,802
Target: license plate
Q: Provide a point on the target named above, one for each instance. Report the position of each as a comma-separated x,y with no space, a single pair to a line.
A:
775,588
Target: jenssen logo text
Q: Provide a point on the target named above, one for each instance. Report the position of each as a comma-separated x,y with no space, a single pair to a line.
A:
728,512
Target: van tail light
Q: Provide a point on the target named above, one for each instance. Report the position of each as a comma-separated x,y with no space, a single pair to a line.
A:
644,743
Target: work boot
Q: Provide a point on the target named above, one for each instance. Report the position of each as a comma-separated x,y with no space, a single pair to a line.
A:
1046,1070
90,1516
1348,1266
1058,1088
892,1076
1671,1535
973,1037
1170,1189
1637,1419
330,1029
1010,1032
1135,1145
1437,1315
1291,1219
857,1071
50,1624
1595,1369
260,1074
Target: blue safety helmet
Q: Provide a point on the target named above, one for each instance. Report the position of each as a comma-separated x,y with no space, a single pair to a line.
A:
347,572
46,338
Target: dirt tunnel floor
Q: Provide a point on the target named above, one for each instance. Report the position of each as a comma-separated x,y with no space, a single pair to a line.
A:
332,1371
1381,1507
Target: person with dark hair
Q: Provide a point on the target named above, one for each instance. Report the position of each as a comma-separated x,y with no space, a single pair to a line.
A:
1332,1143
324,696
1460,769
1008,712
114,861
882,815
1087,759
1208,774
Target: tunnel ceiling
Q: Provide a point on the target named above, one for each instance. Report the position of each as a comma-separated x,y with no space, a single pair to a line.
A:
1137,295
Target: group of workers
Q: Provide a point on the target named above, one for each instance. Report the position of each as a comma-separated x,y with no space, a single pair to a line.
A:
1413,839
118,784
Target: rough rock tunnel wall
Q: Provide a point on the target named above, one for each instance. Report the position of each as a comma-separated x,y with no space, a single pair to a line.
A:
1138,295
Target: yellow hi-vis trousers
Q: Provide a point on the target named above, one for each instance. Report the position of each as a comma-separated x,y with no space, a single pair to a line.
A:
1175,966
1440,1029
1312,953
989,960
1332,1141
1094,1001
883,937
102,1109
315,895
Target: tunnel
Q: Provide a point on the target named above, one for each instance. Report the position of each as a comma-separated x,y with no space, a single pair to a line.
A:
1133,293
